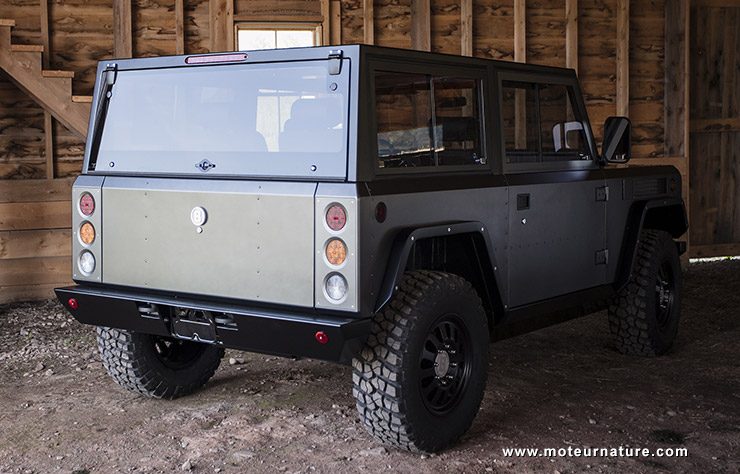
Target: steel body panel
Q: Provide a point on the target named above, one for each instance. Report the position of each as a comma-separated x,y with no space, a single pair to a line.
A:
285,332
553,243
256,244
424,202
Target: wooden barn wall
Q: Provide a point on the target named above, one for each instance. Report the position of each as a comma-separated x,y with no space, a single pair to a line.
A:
493,37
715,129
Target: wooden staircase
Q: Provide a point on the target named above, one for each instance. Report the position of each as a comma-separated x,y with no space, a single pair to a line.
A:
52,90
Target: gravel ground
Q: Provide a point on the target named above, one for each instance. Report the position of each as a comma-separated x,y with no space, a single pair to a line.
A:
556,388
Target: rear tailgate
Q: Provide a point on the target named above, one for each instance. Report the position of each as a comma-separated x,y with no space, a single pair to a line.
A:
256,243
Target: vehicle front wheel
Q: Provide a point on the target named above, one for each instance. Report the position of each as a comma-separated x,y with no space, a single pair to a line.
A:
419,381
644,316
157,366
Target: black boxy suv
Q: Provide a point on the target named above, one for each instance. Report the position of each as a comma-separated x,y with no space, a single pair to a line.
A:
393,210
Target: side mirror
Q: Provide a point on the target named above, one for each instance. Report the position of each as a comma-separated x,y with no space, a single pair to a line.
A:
617,140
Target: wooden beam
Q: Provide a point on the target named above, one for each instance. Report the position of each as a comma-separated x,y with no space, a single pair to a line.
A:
122,29
675,83
623,57
421,25
715,125
715,250
520,31
35,215
716,3
368,22
45,38
179,27
335,21
221,14
571,34
49,144
466,27
325,23
27,190
35,243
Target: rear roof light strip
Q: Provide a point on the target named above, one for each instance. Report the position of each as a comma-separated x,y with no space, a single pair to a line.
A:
219,58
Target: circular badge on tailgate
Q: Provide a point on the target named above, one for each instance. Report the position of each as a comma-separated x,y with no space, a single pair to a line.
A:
198,216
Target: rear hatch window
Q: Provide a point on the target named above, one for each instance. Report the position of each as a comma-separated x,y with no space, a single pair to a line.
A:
263,120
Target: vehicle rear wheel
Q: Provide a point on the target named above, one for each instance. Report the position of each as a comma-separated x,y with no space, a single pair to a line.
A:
644,316
419,381
155,366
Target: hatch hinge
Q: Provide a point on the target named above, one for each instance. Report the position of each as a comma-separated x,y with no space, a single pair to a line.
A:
602,257
335,61
602,193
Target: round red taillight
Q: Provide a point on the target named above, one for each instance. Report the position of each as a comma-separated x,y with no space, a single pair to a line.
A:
321,337
87,204
336,217
72,303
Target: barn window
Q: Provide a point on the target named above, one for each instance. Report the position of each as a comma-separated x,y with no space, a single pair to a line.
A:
251,36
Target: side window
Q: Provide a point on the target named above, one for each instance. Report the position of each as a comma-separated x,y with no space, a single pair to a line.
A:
541,124
424,120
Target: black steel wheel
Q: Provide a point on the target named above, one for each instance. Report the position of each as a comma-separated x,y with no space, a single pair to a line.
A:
644,316
445,364
419,381
157,366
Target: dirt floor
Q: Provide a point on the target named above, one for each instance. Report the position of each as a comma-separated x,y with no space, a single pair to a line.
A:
557,388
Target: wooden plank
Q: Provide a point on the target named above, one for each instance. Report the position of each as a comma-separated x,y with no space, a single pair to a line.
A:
623,58
335,21
35,271
30,292
259,17
715,250
35,190
520,31
49,141
6,22
715,125
466,27
85,99
421,25
368,22
675,106
716,3
35,243
571,34
221,18
122,29
35,215
45,37
55,73
325,23
179,27
31,48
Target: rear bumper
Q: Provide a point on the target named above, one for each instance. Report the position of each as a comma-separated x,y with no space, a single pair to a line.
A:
276,332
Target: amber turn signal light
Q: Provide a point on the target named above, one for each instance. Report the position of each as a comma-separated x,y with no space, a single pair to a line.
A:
336,252
87,233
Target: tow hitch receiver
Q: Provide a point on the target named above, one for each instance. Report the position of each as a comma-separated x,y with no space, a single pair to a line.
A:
194,325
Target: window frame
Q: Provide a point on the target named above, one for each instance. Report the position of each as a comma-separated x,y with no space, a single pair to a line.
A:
579,108
474,72
278,26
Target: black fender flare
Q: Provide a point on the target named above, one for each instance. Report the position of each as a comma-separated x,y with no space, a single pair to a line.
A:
635,224
404,242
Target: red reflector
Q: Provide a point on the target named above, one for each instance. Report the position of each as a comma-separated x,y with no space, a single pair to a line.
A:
73,303
381,212
219,58
321,337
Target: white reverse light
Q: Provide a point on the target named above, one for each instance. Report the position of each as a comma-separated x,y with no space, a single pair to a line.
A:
336,287
86,263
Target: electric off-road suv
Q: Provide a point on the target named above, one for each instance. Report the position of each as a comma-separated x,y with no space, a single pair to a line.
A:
393,210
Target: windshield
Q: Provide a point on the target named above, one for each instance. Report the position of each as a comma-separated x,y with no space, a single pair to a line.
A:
269,119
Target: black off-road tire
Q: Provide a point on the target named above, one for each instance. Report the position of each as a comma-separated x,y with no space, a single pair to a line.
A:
401,397
155,366
644,316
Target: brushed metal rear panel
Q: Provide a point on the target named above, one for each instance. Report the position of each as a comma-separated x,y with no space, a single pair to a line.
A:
257,242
